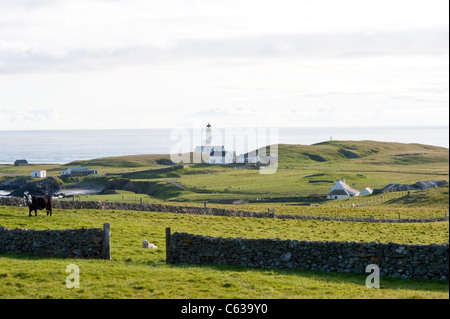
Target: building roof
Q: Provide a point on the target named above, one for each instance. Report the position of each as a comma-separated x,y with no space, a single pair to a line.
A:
366,190
395,186
429,184
343,185
339,192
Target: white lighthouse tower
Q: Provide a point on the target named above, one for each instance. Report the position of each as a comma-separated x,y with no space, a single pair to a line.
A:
214,154
208,135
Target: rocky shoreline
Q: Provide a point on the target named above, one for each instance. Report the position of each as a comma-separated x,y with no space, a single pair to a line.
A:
48,186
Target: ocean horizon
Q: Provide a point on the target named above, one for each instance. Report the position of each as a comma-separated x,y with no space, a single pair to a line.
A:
65,146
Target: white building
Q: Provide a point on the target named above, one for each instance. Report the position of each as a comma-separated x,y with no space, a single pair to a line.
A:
214,154
251,158
79,171
207,147
39,174
241,159
366,191
338,194
222,157
341,190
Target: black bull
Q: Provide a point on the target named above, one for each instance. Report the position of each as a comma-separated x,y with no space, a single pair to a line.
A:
40,202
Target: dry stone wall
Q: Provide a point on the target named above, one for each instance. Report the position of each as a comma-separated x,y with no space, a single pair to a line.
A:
17,201
75,243
397,260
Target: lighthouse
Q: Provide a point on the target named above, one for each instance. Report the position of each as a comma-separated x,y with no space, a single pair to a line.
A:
208,135
214,154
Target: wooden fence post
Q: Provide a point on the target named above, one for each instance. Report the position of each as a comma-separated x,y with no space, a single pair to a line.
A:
168,235
106,243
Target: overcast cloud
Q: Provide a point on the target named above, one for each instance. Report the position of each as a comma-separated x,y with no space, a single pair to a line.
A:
144,64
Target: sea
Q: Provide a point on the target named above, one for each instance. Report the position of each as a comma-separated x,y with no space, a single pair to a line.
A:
65,146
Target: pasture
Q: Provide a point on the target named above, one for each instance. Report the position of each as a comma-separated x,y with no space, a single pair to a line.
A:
302,170
142,273
134,272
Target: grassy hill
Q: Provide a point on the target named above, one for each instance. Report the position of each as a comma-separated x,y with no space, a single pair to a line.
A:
308,169
302,170
126,162
363,152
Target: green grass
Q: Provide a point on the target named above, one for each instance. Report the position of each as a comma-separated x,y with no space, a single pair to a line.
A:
138,273
433,198
431,203
365,212
426,198
121,196
121,162
302,170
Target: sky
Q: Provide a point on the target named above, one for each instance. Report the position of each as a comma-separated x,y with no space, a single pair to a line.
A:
120,64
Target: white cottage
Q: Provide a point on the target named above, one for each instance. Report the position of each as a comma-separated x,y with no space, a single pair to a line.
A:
338,194
39,174
341,190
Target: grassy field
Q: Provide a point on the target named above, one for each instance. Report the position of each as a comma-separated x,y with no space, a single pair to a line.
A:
302,170
431,203
139,273
310,169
